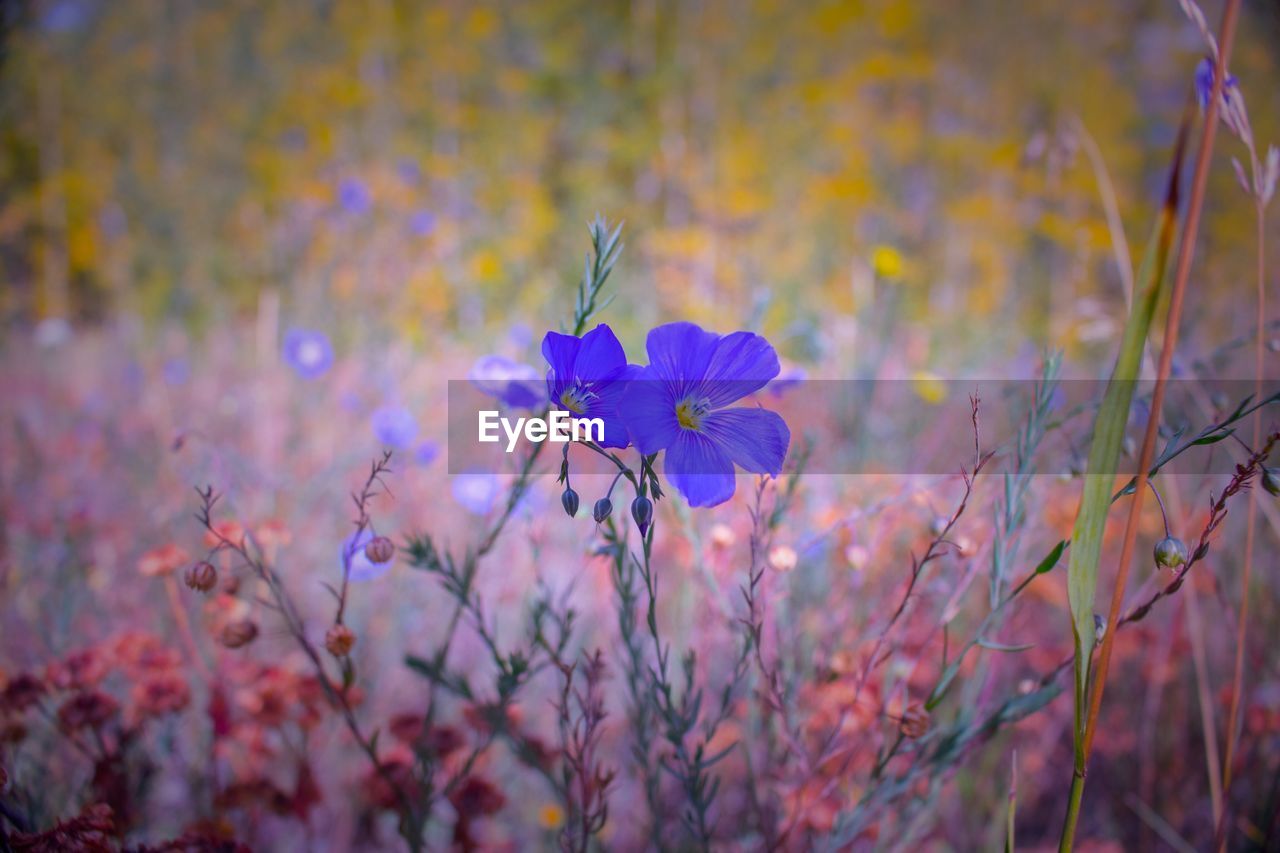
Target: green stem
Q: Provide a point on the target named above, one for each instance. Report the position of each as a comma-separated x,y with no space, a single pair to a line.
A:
1073,811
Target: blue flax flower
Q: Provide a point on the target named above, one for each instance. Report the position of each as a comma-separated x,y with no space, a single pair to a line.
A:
308,352
587,377
1204,83
681,402
395,426
476,491
507,381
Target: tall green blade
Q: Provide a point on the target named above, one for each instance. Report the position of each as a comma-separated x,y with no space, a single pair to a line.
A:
1108,437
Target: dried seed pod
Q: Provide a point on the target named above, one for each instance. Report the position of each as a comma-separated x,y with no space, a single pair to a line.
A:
339,640
914,722
380,550
201,576
239,633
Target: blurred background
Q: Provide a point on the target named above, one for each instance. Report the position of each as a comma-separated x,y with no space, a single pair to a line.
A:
424,170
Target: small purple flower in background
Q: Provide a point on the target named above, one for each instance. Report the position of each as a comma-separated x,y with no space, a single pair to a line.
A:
1204,83
520,335
476,491
422,223
177,371
408,170
679,403
515,384
361,568
308,352
354,196
588,376
426,452
395,426
66,16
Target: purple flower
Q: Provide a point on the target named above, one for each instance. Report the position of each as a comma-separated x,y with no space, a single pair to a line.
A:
354,196
395,426
1204,83
422,223
680,404
308,352
360,567
476,492
426,452
587,376
177,371
515,384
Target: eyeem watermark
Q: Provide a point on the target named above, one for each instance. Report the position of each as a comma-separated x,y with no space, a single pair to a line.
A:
559,426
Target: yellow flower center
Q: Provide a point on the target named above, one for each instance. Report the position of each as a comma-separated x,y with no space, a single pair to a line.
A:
574,400
690,412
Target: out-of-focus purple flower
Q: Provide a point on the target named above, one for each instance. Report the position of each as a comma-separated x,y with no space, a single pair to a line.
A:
426,452
515,384
680,404
422,223
792,377
177,371
587,377
52,332
308,352
408,170
293,139
354,196
66,16
476,492
395,426
361,568
520,335
1204,83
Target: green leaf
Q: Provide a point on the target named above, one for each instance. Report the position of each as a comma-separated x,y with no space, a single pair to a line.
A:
1051,559
1002,647
1213,439
1108,437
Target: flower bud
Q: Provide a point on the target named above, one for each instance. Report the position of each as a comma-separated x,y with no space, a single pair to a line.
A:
1271,481
201,576
380,550
569,500
239,633
338,640
642,512
1170,552
601,510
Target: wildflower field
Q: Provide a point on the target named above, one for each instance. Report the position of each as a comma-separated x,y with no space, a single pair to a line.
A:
639,426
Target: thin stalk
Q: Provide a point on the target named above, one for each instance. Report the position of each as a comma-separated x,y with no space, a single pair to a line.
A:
1242,624
1186,251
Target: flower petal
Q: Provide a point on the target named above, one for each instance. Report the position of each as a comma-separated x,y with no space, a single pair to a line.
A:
680,353
648,408
560,351
740,364
699,470
600,355
755,439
